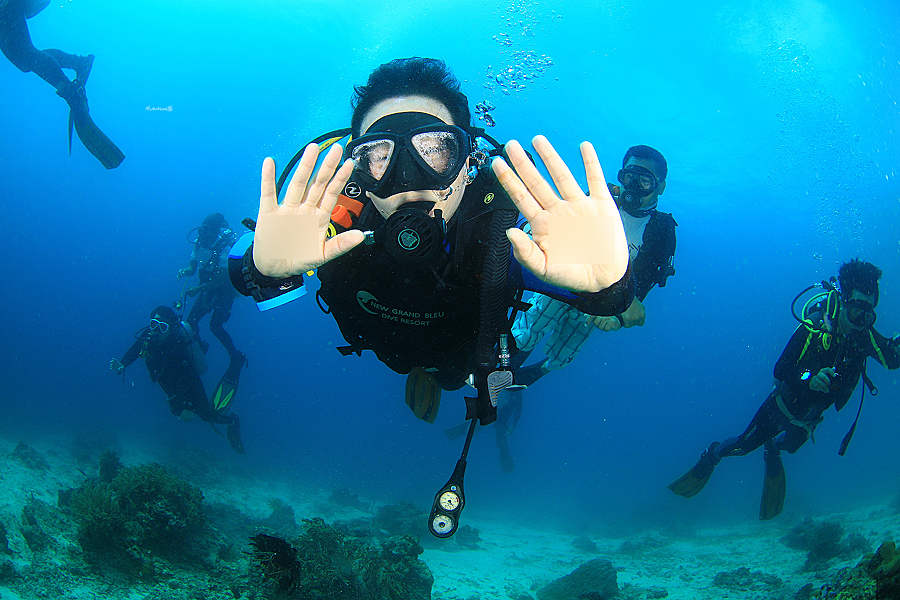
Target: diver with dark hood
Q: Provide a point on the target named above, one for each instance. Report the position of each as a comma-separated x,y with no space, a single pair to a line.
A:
16,45
413,233
820,367
215,295
174,360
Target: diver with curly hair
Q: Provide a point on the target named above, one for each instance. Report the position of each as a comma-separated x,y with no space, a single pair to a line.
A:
820,367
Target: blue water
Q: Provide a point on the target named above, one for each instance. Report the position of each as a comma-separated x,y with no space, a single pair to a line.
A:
780,124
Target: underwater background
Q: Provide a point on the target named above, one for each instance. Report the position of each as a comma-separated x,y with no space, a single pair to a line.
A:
781,127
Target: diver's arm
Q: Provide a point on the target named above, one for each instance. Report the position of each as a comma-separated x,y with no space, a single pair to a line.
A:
634,316
612,301
188,271
786,368
885,350
134,352
541,206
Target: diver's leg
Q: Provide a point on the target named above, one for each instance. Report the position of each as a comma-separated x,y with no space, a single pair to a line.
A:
220,314
529,375
80,64
793,438
768,422
519,359
232,433
16,45
572,330
506,459
764,426
199,309
533,324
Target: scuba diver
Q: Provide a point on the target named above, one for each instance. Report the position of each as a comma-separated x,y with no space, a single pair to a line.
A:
651,246
16,45
820,366
414,257
214,295
174,360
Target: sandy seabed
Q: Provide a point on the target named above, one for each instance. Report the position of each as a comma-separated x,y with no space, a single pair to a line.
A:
509,563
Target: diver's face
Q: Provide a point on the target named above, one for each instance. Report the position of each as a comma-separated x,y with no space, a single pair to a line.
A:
447,203
159,329
846,325
207,235
650,166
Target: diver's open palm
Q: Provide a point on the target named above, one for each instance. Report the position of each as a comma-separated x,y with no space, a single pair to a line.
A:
538,202
314,198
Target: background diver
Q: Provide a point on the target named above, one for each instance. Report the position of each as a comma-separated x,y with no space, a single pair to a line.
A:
651,248
175,361
16,45
820,366
215,293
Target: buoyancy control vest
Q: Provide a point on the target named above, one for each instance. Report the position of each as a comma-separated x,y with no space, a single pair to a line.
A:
655,262
430,315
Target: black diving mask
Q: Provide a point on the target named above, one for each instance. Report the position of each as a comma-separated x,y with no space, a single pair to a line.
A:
861,313
637,183
411,235
408,151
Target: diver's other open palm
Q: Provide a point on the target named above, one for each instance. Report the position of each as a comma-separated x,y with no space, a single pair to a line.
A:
312,198
539,203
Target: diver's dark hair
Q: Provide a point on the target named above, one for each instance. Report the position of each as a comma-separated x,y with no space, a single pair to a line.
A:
166,314
415,76
215,221
651,154
861,276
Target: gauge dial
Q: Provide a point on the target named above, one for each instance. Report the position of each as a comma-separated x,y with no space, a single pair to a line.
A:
442,524
449,501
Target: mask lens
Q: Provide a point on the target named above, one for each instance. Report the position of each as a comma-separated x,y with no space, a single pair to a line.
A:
372,158
157,325
860,313
439,150
644,178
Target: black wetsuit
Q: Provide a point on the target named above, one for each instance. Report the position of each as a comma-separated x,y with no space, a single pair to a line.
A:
16,45
170,363
430,317
846,355
654,262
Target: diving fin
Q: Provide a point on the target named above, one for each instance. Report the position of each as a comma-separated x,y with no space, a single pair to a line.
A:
506,459
457,431
423,394
83,69
234,435
90,135
690,484
223,396
774,484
